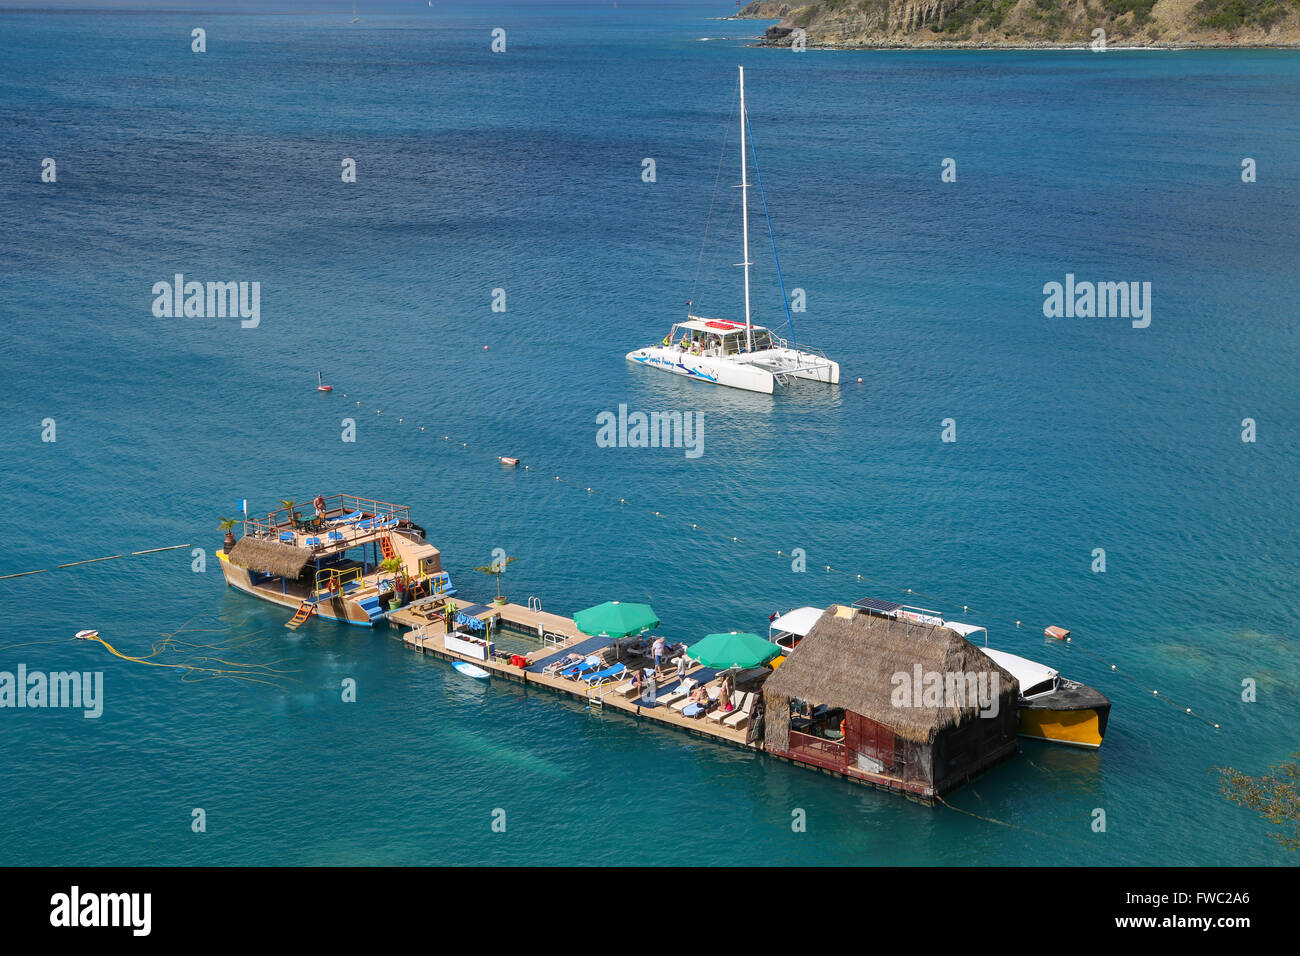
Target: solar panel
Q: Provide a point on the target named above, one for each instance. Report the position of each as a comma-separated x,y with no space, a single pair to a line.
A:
871,604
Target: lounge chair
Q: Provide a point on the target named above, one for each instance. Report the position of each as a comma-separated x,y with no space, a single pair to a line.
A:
739,702
681,690
569,660
630,688
740,718
288,536
585,667
692,710
608,674
349,518
713,690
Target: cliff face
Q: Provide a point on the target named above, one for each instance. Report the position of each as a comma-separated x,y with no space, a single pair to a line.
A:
926,23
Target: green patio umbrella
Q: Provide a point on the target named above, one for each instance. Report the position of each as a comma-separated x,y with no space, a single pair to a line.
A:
616,619
733,650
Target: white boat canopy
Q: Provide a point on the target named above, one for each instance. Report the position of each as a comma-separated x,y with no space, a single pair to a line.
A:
799,621
965,630
1028,673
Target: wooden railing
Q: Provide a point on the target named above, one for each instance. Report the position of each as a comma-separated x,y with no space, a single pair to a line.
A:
825,753
335,505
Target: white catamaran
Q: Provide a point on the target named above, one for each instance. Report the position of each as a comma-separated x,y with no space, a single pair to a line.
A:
738,354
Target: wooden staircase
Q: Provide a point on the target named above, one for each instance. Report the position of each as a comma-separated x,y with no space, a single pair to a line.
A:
305,610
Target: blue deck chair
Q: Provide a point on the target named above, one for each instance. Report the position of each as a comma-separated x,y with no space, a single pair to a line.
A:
336,535
313,542
609,673
286,536
577,670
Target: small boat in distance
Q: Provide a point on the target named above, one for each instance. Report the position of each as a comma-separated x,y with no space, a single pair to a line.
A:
321,386
738,354
355,18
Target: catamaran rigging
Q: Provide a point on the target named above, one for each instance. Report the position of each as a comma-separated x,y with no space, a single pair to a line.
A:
727,352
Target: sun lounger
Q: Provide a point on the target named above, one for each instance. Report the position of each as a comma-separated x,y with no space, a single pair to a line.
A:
630,688
692,710
608,674
349,518
577,670
287,536
739,701
739,718
681,690
685,702
568,660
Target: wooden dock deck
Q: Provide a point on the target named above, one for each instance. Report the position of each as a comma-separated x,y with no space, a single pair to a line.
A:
427,634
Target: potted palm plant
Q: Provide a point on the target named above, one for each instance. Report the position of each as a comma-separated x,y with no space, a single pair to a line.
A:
394,567
497,568
288,505
227,525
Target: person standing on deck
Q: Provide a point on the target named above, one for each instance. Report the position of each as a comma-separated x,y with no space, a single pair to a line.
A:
658,649
682,663
652,689
319,505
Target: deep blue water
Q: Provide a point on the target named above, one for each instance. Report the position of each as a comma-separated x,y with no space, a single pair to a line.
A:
522,171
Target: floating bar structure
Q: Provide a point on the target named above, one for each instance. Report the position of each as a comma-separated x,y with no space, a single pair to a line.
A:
877,693
331,564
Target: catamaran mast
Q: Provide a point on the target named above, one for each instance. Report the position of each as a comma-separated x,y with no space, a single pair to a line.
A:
744,212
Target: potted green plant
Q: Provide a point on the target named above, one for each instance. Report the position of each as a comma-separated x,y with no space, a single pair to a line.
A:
227,525
288,505
497,568
394,567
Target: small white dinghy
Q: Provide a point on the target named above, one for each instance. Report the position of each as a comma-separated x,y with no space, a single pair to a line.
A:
469,670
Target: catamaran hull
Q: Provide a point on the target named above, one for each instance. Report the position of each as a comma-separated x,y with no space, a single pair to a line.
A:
758,372
798,364
703,369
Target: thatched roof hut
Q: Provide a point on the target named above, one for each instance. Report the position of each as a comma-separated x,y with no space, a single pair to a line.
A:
859,662
270,557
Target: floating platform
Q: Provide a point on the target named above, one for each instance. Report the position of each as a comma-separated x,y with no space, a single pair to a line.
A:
430,638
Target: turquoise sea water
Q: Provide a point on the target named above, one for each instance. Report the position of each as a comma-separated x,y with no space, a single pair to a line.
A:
522,171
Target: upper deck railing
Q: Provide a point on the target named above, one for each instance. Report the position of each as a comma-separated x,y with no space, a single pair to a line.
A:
336,506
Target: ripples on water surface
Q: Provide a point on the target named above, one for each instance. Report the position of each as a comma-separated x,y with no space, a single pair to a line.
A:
523,172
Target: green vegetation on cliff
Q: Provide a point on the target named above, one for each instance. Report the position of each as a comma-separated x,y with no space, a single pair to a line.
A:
867,23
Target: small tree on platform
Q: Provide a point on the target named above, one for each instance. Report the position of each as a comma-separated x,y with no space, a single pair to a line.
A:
497,568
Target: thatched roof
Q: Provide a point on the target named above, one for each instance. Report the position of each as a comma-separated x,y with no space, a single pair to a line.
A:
270,557
850,662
